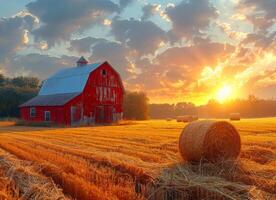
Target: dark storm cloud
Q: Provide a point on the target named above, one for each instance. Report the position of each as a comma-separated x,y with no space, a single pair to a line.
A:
12,33
263,15
190,18
60,19
143,36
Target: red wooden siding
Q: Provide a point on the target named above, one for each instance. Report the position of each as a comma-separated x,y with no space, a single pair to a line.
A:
103,92
100,102
57,114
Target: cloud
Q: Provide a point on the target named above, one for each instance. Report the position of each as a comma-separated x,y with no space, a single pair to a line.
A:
37,65
190,18
116,54
261,41
182,72
60,19
83,45
101,50
149,10
125,3
149,78
228,30
195,56
260,13
259,75
183,66
144,37
14,33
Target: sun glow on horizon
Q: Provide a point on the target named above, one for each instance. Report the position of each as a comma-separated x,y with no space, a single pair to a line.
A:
224,93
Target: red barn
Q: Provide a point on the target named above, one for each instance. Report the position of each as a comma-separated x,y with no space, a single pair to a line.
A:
85,94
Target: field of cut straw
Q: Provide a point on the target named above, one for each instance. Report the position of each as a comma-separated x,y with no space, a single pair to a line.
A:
138,160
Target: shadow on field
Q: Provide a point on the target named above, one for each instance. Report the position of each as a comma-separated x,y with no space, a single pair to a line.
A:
199,181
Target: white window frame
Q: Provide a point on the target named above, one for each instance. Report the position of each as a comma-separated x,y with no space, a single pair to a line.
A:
32,112
45,114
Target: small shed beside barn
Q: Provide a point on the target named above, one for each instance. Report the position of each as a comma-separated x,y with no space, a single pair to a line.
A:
84,94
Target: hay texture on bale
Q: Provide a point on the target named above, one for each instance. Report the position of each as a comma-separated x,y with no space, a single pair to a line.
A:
209,140
235,116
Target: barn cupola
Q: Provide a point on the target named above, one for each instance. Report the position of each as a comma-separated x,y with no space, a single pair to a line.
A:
82,62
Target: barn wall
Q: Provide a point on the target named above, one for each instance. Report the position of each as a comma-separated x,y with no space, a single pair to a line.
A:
76,102
100,102
57,114
103,92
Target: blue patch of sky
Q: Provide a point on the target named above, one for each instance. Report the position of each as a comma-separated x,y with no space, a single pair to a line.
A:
226,10
9,8
135,11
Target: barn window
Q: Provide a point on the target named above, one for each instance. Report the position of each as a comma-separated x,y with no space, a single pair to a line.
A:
32,112
47,116
104,72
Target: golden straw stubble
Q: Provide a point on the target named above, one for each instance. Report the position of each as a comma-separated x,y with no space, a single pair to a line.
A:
209,140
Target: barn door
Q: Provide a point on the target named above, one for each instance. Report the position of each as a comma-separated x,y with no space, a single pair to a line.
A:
100,118
114,115
73,114
109,117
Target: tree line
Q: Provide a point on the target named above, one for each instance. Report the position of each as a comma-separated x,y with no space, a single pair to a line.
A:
251,107
15,91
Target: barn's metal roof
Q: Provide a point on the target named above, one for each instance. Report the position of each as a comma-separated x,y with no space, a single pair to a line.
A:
50,100
69,80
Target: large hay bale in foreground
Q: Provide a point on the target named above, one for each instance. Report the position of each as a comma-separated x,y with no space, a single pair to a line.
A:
209,140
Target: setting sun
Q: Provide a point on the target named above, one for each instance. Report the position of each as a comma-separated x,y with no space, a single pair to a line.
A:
224,93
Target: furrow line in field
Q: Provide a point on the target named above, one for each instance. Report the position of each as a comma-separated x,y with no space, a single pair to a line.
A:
30,183
145,154
72,184
93,159
138,141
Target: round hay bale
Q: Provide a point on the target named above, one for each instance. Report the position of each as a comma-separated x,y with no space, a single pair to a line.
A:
187,118
179,118
235,117
209,140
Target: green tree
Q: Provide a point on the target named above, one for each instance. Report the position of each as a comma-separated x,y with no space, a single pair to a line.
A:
15,91
2,79
135,106
12,97
25,82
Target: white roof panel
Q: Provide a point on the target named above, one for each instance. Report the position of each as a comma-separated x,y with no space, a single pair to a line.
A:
69,80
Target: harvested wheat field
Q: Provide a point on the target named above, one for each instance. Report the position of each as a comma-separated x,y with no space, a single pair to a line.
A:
138,160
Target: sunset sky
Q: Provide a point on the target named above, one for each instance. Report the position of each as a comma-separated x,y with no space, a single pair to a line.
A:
174,50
